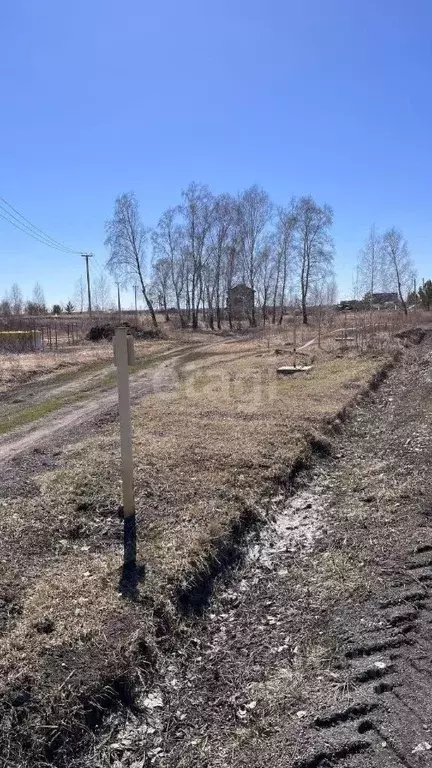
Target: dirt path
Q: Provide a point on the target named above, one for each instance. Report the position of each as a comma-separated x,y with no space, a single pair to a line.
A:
318,651
78,414
96,399
161,377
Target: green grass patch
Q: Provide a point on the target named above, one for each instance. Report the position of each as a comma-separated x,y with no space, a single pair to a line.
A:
35,412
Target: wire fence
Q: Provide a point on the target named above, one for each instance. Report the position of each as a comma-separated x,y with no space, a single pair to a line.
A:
21,334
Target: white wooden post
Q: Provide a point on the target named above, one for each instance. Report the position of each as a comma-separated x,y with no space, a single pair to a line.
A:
123,356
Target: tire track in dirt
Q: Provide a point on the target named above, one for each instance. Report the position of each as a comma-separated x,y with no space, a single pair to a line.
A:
72,416
161,378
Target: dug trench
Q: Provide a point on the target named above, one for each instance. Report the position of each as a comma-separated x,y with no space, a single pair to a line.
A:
314,649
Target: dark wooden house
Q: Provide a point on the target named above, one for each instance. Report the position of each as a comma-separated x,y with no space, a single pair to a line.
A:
240,302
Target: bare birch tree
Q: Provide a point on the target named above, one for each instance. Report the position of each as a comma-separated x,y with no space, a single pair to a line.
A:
254,211
168,244
266,274
285,229
398,263
314,245
126,238
102,298
220,241
79,294
161,284
371,268
39,300
196,211
16,299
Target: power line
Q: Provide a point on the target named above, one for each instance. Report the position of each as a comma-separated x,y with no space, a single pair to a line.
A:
55,242
27,232
38,233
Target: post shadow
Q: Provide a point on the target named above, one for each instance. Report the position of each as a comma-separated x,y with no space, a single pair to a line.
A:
131,573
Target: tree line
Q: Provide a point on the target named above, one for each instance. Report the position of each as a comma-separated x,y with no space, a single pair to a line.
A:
207,243
13,302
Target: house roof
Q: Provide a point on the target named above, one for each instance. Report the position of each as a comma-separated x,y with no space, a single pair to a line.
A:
242,287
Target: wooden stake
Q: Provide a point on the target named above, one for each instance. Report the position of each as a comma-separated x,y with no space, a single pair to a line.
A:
122,360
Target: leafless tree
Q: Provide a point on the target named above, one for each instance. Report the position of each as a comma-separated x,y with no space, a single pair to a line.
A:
314,245
254,212
102,298
221,240
231,265
284,234
398,262
39,300
16,299
167,241
126,239
5,304
331,291
371,275
161,283
266,274
196,210
79,294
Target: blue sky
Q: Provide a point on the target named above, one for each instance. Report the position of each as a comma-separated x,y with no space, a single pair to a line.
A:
325,97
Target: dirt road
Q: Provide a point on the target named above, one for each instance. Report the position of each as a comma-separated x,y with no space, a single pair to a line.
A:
317,651
98,399
92,397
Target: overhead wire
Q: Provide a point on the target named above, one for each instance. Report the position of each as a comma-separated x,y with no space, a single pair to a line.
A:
26,223
26,231
26,226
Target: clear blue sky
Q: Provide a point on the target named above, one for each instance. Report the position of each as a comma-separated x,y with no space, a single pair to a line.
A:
98,97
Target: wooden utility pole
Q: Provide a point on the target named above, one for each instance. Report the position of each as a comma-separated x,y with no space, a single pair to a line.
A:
88,256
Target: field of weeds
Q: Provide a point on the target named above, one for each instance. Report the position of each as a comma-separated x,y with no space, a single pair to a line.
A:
208,457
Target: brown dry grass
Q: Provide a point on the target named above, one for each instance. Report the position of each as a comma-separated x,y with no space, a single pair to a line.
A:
17,369
206,455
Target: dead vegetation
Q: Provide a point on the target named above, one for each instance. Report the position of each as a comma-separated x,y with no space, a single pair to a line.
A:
300,646
17,369
208,456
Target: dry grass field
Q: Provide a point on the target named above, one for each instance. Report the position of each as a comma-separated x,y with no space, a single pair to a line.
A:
209,454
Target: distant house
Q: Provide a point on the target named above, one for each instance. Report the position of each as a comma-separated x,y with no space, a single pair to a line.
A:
382,300
240,301
349,304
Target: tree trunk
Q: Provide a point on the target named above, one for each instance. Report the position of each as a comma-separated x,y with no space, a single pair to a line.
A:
146,298
179,310
303,283
264,308
283,289
149,304
402,300
218,309
167,317
304,310
252,319
218,314
275,292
